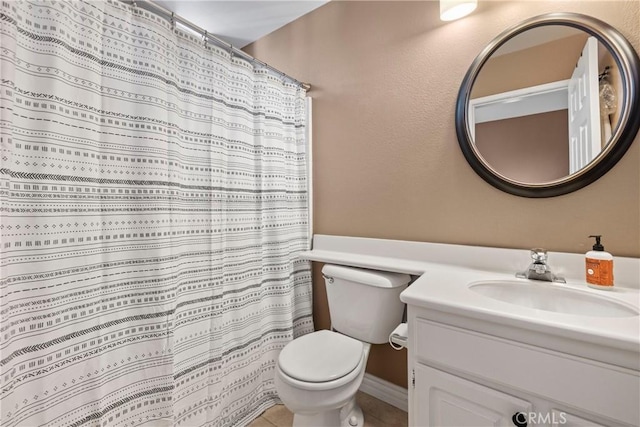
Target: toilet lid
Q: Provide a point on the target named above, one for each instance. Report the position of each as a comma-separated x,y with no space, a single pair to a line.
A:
320,356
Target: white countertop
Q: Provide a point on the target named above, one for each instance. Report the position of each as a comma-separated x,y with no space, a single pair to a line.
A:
446,288
443,286
395,265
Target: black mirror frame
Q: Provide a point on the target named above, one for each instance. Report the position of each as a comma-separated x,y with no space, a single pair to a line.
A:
621,138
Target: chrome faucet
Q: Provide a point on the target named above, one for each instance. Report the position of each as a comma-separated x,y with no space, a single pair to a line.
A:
539,269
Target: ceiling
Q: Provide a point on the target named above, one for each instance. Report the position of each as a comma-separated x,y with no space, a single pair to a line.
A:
240,22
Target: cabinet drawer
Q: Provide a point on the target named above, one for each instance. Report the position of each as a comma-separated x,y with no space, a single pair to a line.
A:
597,388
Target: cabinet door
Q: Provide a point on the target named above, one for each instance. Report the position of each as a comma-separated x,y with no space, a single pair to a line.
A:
444,400
565,419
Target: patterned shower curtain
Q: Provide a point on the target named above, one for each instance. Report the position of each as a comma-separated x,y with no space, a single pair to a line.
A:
153,205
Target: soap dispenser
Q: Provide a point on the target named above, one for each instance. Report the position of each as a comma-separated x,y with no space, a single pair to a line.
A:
599,267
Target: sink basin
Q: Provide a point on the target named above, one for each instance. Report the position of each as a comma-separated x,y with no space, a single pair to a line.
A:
552,297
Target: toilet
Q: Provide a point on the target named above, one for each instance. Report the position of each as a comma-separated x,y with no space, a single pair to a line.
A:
318,374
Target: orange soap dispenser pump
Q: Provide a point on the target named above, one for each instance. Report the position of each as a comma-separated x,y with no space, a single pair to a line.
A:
599,266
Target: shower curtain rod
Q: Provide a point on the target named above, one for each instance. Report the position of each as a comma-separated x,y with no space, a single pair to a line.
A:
171,16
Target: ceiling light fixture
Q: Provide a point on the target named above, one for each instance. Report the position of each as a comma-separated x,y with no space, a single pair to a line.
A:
454,9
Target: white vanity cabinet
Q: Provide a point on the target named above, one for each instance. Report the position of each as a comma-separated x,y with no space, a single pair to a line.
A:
462,375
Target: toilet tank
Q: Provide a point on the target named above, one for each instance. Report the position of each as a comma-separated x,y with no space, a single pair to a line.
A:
364,304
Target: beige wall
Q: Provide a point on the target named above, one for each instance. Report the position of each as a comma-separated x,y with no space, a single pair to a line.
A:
531,148
387,164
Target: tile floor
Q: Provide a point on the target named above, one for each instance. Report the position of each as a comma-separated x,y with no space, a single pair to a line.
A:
376,414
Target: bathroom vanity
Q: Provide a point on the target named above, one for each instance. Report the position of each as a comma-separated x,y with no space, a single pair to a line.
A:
475,360
487,348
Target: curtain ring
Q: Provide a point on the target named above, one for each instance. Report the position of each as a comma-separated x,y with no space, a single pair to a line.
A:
134,4
173,20
204,38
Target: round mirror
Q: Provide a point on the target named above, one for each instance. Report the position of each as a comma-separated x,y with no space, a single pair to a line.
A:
550,105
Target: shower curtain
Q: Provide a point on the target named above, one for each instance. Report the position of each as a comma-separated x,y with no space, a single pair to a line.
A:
153,206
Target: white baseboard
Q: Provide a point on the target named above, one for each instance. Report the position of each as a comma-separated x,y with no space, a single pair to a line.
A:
386,391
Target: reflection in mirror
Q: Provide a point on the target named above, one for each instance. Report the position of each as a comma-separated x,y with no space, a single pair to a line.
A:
528,88
544,105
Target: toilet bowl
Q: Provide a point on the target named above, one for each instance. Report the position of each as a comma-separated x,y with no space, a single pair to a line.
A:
318,374
317,377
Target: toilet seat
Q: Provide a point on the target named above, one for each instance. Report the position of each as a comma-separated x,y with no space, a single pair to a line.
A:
320,357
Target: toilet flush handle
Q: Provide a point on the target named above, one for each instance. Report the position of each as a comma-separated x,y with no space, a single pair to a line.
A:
327,278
